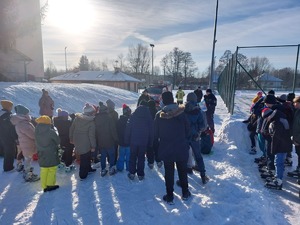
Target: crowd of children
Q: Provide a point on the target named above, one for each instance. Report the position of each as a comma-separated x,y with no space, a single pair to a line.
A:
275,121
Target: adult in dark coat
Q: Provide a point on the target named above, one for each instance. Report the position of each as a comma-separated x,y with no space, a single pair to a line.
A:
171,129
152,154
139,134
8,136
198,92
211,103
144,96
63,124
46,104
106,135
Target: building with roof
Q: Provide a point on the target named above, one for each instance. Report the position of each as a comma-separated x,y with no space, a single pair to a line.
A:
267,81
115,78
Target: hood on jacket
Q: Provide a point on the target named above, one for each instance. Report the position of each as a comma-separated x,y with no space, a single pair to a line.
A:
15,119
42,129
170,111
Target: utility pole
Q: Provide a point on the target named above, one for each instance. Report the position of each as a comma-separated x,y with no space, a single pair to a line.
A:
152,46
212,67
66,59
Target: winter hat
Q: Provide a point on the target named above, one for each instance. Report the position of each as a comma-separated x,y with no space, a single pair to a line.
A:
44,91
259,93
282,97
266,112
126,109
208,90
43,119
290,97
271,92
167,98
102,107
191,97
21,110
110,104
145,91
62,113
88,109
270,99
6,104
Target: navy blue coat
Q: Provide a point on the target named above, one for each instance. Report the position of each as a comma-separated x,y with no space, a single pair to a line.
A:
171,129
139,128
121,127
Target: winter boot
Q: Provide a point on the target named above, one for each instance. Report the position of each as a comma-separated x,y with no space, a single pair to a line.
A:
131,176
141,178
288,161
186,196
259,159
276,183
20,167
168,199
103,172
295,173
263,169
262,163
51,188
204,179
252,151
30,176
112,170
269,173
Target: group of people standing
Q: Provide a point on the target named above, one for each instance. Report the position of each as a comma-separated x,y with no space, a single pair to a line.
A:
163,136
276,123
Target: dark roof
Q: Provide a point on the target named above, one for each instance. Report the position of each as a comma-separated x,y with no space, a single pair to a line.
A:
95,76
267,77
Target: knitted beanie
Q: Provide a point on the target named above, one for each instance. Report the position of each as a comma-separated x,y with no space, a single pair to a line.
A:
126,109
62,113
266,112
43,120
102,107
7,105
167,98
110,104
191,97
21,110
88,109
270,99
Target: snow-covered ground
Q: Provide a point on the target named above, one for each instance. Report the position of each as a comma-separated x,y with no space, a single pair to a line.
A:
234,195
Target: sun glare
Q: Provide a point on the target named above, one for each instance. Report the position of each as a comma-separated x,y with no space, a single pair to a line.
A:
72,16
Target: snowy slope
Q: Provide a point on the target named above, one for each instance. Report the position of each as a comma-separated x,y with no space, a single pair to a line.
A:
234,195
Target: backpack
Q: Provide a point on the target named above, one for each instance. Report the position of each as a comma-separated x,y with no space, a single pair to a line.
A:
206,142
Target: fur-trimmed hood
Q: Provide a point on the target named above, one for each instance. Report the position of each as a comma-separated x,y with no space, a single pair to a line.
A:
171,111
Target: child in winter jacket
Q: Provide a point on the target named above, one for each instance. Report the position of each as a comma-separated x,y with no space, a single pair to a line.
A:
47,142
63,123
106,136
25,131
8,136
281,144
124,148
139,134
82,135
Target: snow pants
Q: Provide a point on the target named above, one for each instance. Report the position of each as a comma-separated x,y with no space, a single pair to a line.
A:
85,165
137,159
9,152
124,156
48,176
169,176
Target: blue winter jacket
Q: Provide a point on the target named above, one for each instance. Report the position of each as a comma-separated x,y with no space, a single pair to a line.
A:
171,129
139,128
195,119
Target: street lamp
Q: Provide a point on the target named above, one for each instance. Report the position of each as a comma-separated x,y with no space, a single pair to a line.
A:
66,59
152,46
213,49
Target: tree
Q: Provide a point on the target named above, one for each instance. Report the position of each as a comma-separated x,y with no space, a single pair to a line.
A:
84,63
50,71
258,65
189,66
139,58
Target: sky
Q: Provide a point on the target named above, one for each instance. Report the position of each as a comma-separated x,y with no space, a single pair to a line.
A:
234,195
102,30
